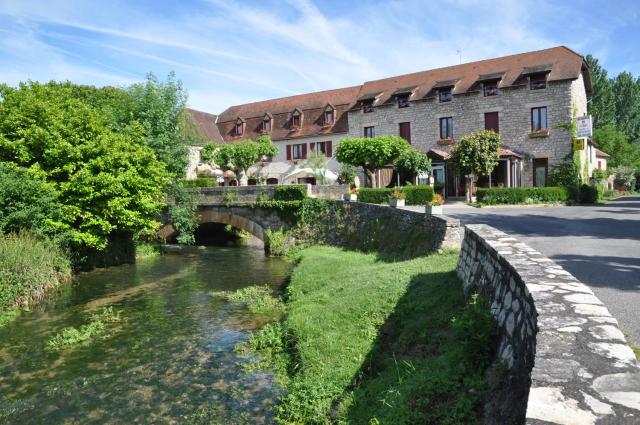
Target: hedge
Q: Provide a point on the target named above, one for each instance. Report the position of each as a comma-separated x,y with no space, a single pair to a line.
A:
414,195
522,195
201,182
591,194
294,192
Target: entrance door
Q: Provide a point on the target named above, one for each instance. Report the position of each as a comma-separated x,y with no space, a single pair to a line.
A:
540,171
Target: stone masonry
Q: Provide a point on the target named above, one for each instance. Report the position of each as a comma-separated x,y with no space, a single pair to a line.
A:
562,356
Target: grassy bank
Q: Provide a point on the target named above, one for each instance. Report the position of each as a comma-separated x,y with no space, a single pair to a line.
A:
29,266
366,341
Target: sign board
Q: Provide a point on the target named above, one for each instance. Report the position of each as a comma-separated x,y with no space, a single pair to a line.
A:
585,126
578,144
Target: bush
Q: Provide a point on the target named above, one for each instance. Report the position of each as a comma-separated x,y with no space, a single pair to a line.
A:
294,192
624,177
522,195
201,182
418,195
347,174
276,242
414,195
590,194
28,267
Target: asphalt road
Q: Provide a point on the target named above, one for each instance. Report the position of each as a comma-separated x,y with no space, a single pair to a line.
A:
600,245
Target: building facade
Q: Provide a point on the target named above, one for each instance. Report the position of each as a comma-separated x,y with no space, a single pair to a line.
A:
527,98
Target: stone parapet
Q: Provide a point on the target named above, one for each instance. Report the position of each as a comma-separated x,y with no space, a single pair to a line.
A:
561,358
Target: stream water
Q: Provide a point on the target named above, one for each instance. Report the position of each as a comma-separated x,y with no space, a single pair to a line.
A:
169,359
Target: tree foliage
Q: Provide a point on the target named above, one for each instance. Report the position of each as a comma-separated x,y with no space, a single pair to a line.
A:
602,105
107,178
318,164
477,153
371,153
239,156
410,161
616,144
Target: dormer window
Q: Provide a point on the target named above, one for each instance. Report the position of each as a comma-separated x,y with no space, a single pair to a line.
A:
538,81
367,106
296,119
490,88
239,130
403,100
329,116
265,126
445,95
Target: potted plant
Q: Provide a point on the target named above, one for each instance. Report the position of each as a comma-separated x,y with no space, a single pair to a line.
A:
350,195
396,199
435,205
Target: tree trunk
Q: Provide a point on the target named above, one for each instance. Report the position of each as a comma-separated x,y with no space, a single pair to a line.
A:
372,176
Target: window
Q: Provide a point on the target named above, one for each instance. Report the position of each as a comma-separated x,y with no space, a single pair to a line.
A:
323,148
266,124
328,117
272,180
239,128
492,121
369,132
298,151
296,119
403,100
445,95
446,128
538,81
540,171
538,118
367,106
404,128
490,88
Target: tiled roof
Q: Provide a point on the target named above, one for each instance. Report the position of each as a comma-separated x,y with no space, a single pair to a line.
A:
205,124
560,63
601,154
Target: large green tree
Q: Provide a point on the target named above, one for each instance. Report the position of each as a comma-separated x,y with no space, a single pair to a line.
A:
476,154
626,90
617,145
602,105
371,153
240,156
108,181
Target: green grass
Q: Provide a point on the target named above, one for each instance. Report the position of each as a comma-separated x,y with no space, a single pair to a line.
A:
71,336
147,249
29,266
370,341
259,299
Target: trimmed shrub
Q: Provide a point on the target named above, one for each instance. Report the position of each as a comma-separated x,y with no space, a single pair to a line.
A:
414,195
522,195
418,195
590,194
201,182
294,192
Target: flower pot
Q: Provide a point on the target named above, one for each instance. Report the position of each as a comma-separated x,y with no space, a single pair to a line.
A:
349,197
433,209
395,202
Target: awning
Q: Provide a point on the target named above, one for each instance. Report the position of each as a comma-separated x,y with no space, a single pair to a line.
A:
508,152
308,172
439,154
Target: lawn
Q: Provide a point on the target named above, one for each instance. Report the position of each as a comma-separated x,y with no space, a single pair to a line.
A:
371,341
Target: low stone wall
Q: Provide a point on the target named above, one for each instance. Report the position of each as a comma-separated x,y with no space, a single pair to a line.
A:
250,194
380,228
561,358
332,191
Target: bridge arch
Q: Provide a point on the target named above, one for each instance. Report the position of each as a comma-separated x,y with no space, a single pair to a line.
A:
235,220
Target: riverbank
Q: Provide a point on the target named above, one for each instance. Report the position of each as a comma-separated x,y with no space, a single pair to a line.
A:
367,340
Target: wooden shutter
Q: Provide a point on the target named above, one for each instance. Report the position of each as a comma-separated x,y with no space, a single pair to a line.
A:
492,121
312,147
329,146
405,131
288,152
304,151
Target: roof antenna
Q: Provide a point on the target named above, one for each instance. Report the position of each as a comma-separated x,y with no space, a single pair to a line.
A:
459,52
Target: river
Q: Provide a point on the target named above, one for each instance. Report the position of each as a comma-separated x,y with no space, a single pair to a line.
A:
169,358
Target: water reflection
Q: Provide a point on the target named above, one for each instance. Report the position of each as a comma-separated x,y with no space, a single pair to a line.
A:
170,360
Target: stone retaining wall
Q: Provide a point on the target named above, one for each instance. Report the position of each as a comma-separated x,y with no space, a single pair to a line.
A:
561,358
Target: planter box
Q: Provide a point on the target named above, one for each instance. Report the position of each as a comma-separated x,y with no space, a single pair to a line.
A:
349,197
433,209
393,202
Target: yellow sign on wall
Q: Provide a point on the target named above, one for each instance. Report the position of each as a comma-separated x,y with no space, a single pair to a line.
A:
578,144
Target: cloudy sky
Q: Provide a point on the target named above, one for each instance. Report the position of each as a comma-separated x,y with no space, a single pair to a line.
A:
230,52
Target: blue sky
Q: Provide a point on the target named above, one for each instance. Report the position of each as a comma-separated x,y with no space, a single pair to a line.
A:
230,52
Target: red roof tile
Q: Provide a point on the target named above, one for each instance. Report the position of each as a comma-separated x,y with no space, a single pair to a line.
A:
601,154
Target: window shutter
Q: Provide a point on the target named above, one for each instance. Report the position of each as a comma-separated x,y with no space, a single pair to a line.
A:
304,151
288,152
405,131
329,149
312,147
491,121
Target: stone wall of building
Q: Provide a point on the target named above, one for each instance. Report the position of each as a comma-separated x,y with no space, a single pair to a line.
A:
561,358
514,110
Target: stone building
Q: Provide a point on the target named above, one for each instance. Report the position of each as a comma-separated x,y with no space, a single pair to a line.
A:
525,97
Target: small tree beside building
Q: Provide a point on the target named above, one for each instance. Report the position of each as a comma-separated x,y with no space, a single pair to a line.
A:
476,155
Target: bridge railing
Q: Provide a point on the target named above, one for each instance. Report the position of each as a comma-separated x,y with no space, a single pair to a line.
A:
225,195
